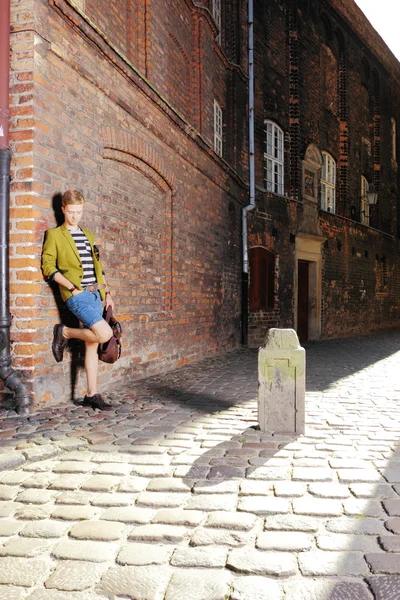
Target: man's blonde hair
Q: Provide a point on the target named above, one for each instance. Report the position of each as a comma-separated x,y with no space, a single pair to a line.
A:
72,197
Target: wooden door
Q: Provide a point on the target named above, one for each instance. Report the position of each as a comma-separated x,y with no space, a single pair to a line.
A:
302,300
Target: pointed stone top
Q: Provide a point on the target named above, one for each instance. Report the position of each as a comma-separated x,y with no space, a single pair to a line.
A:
281,338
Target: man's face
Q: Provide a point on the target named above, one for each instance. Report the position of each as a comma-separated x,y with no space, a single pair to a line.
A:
72,214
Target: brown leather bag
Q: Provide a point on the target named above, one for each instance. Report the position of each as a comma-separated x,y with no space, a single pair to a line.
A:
110,351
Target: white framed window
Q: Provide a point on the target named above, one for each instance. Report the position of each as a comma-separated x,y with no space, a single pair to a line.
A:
216,13
394,133
274,158
328,183
217,128
364,205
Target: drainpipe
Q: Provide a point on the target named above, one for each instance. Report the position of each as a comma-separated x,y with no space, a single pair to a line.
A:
12,379
252,186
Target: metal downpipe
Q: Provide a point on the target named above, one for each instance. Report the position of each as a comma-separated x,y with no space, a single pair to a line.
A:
12,379
252,187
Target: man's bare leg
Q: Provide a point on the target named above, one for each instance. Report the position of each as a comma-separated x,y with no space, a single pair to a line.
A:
99,333
91,367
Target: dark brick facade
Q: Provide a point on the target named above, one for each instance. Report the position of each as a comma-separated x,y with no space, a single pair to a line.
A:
116,99
326,79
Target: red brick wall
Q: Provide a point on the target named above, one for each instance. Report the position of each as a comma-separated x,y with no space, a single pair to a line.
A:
361,279
170,52
310,80
165,210
25,239
112,18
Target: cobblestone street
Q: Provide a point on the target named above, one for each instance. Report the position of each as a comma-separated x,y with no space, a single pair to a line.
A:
175,495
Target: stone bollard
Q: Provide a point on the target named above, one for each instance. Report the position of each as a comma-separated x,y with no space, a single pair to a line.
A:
281,382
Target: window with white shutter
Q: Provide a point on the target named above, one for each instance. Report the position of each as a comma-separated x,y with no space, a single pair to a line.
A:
216,13
274,158
328,183
364,205
217,128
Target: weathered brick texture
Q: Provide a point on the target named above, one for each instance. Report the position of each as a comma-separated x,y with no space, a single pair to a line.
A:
116,99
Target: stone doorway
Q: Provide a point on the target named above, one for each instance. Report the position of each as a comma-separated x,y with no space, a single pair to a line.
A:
308,291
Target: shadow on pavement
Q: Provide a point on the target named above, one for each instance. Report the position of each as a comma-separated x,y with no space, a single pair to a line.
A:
206,402
331,360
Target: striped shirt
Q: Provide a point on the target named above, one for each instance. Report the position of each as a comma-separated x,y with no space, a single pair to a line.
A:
85,252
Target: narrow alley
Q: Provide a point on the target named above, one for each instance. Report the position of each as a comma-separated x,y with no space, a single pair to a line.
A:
176,495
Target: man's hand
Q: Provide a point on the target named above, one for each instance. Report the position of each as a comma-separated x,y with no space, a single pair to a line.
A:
109,301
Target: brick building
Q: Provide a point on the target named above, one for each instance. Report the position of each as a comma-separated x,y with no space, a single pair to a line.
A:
327,102
142,106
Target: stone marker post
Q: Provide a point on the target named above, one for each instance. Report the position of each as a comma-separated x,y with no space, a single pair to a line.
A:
281,382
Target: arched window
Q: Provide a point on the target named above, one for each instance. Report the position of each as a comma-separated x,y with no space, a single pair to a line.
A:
262,279
273,158
327,28
217,128
364,212
328,183
365,72
216,13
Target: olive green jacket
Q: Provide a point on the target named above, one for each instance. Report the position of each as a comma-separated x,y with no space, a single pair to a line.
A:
61,254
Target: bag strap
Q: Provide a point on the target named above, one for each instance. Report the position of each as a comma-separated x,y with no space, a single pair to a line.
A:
109,315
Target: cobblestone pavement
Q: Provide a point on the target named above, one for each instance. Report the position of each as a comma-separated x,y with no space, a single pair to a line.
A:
175,495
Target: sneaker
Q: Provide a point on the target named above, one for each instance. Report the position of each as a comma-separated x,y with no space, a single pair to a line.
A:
59,342
96,401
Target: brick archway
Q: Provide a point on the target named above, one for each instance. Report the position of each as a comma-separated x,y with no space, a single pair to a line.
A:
167,194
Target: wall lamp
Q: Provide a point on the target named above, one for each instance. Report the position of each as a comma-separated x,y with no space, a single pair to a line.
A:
372,197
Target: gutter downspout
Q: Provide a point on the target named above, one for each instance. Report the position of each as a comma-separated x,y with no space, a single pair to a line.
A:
252,193
12,379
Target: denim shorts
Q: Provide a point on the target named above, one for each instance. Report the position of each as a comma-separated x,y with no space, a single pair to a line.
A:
87,307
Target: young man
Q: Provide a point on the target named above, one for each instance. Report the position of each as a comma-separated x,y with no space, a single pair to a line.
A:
71,259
